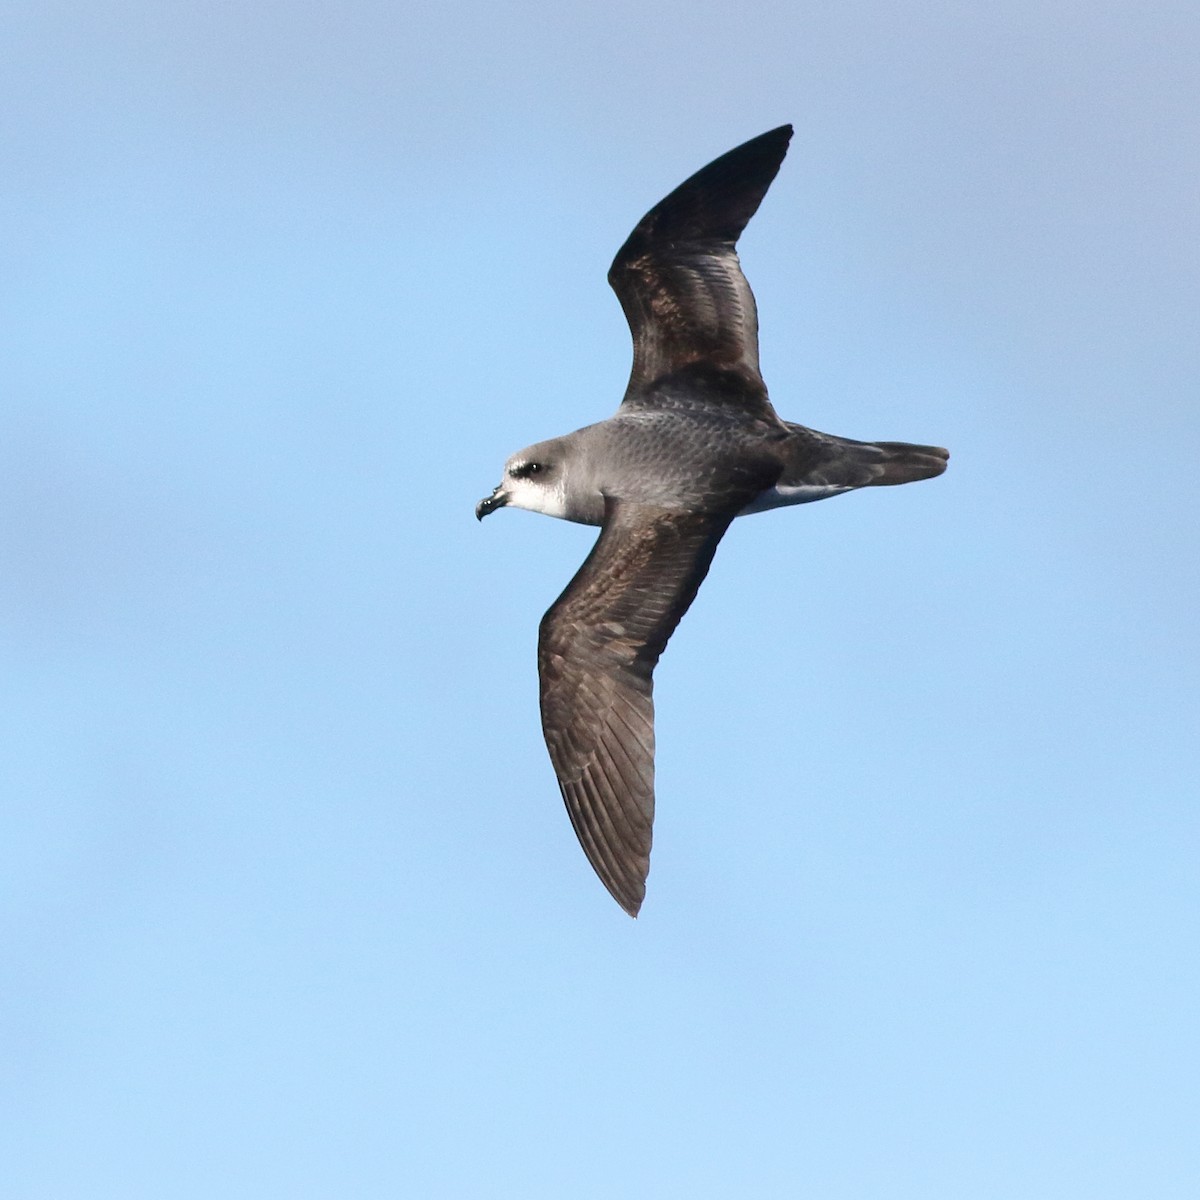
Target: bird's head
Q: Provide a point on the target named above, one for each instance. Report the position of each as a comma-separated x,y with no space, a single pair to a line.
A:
533,479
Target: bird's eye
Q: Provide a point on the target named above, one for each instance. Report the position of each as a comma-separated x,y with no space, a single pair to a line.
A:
525,470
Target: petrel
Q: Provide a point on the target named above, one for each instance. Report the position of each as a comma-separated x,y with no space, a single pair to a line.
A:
694,443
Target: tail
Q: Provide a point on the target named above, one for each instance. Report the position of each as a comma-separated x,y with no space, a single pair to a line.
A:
823,458
901,462
819,465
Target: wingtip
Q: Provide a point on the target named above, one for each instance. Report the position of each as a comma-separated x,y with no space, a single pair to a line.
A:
629,896
772,144
713,204
781,134
627,889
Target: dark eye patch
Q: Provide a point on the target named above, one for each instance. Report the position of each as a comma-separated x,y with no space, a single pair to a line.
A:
525,470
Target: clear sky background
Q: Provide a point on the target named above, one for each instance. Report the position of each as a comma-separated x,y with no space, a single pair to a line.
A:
291,905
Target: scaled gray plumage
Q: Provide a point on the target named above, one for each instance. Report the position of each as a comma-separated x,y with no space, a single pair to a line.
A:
694,444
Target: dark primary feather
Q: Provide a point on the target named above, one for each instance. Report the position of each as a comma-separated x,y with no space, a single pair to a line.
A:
678,277
597,649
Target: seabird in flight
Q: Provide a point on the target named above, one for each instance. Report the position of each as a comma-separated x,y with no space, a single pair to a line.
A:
695,443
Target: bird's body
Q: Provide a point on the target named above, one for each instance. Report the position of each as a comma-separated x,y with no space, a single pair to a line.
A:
695,443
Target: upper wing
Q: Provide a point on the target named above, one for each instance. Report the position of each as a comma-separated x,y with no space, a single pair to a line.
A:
597,648
678,277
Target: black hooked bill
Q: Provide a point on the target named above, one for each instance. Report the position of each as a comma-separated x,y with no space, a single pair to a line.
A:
498,499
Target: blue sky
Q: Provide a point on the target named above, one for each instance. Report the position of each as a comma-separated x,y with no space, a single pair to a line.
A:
292,908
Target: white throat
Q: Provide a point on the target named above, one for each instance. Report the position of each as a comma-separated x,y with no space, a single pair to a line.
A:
549,499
